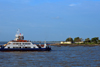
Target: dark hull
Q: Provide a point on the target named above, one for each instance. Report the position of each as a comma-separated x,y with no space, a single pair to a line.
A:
26,49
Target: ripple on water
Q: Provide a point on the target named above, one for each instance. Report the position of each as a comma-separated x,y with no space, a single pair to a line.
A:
63,56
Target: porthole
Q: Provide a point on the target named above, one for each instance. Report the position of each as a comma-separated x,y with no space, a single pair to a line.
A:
8,47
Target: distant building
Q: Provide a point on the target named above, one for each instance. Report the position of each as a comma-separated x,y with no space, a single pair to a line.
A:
80,42
68,42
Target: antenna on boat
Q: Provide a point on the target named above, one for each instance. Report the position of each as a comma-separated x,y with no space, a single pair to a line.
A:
18,31
19,36
45,44
45,41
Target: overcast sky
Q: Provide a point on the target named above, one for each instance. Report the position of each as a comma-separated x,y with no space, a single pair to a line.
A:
51,20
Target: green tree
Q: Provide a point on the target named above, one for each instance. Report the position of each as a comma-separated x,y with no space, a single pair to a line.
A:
69,39
98,41
87,40
77,39
95,40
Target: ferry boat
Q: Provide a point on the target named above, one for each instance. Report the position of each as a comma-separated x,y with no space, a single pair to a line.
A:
19,44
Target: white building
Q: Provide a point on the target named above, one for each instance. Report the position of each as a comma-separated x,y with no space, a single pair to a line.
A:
68,42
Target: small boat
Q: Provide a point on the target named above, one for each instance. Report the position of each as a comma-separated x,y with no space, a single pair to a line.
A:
19,44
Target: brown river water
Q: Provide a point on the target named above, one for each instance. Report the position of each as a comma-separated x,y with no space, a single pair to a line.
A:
63,56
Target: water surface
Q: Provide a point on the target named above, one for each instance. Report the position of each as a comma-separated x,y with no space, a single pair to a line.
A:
63,56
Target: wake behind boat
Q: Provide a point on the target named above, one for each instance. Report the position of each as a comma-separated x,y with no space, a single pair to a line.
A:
19,44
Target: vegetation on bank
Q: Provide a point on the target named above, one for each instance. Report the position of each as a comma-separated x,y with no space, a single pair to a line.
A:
79,42
87,41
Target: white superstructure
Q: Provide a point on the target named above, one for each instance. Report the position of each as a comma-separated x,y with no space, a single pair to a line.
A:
19,42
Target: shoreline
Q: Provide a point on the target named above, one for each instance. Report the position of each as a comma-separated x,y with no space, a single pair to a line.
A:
75,45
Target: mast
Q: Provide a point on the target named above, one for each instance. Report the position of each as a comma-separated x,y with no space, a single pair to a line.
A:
18,31
19,36
45,44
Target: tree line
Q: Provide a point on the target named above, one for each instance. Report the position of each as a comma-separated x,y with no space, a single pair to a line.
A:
94,40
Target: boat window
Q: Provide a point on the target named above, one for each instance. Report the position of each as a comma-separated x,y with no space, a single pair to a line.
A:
8,47
18,43
8,43
14,43
27,47
16,47
27,43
